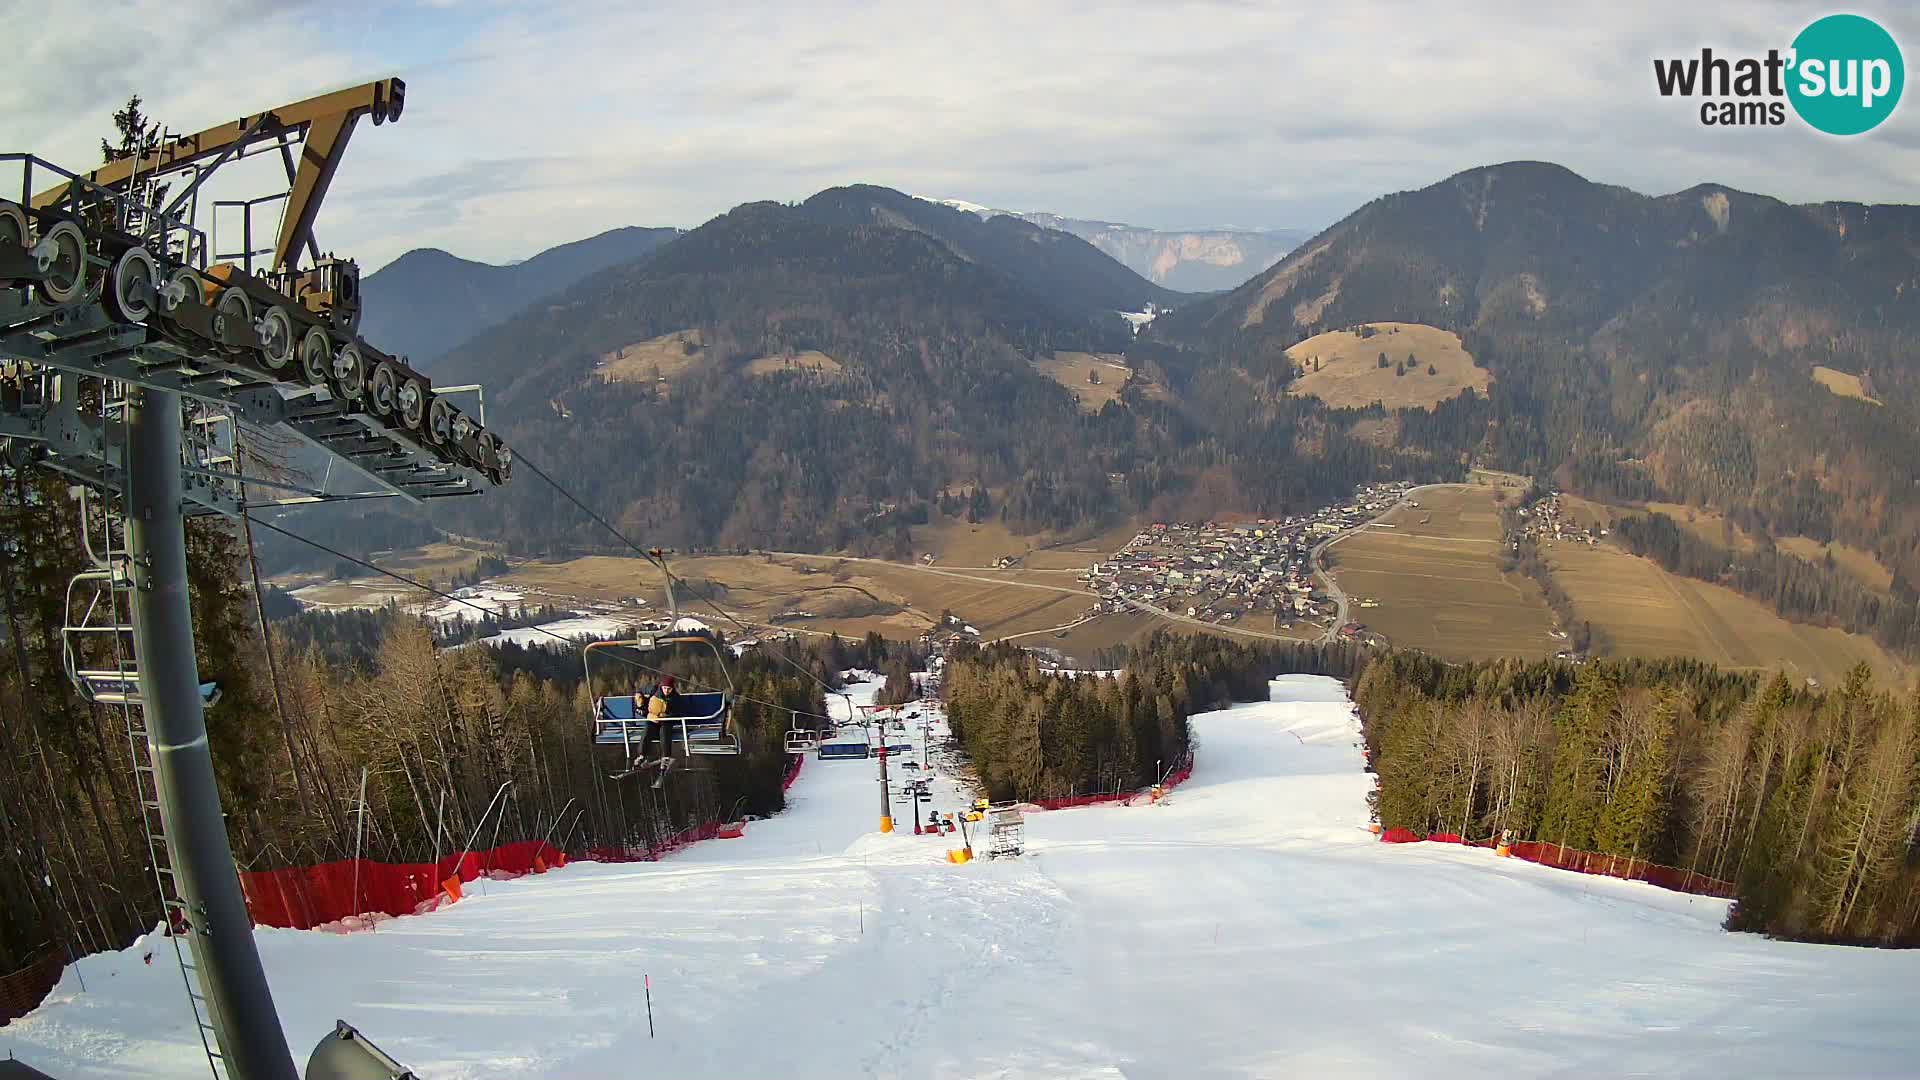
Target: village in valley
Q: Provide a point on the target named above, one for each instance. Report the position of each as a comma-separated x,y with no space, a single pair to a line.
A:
1223,572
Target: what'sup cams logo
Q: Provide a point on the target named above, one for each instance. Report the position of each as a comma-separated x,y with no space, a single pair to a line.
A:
1842,75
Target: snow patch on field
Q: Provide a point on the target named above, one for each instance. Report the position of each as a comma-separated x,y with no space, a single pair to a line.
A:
593,626
1247,927
493,601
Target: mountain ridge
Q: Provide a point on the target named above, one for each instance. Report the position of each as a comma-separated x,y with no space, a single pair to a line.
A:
1198,260
430,300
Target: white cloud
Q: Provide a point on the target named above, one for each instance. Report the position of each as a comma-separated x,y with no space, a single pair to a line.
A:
527,126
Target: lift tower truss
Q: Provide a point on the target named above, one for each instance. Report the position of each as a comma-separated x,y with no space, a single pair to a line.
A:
131,359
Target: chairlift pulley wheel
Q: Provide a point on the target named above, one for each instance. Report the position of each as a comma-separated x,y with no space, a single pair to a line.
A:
383,389
412,401
316,356
66,263
131,286
349,372
440,421
276,338
14,230
183,287
235,305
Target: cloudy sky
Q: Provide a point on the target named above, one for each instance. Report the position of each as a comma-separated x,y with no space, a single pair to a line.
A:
533,124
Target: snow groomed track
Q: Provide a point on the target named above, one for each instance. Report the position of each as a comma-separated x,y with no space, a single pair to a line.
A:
1249,927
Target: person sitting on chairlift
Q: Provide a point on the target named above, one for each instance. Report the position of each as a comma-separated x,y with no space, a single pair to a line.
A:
664,704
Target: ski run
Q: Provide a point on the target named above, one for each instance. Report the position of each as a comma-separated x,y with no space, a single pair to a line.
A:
1247,927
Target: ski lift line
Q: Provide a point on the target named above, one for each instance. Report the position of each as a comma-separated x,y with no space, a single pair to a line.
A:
562,638
658,560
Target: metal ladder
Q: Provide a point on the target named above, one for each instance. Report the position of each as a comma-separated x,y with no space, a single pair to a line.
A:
105,618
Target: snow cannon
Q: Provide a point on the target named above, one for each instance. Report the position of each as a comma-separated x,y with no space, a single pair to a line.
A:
345,1054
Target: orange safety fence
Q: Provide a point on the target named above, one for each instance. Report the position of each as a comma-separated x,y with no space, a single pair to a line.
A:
22,991
652,852
1586,862
1173,779
303,897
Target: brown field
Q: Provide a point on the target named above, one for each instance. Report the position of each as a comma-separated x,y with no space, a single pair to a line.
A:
1843,384
1011,602
438,562
748,587
1708,525
1101,632
954,540
1070,369
1350,375
1084,552
850,596
1644,611
956,544
656,358
1857,563
1496,478
1439,584
810,360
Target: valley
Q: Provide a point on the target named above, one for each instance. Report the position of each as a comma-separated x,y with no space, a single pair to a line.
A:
1419,569
1427,575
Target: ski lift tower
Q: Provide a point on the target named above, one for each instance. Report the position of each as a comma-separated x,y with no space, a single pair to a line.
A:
132,356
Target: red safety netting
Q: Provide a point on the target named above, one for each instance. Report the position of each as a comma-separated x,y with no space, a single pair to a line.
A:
1174,779
22,991
794,761
303,897
1587,862
652,853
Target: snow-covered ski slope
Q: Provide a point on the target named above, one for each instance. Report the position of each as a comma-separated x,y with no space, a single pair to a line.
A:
1248,928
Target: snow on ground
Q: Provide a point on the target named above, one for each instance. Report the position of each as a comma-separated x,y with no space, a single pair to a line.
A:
349,595
496,601
594,626
1248,927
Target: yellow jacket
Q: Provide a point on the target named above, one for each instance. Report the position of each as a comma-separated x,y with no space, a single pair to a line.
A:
656,707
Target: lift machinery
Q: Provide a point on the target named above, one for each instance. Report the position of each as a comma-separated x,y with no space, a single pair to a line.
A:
132,357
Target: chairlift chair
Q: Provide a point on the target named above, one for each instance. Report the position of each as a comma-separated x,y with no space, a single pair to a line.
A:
704,722
801,740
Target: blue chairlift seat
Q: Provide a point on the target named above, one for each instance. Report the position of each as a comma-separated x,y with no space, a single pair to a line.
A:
701,719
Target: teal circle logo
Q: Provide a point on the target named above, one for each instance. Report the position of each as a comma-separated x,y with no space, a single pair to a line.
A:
1847,74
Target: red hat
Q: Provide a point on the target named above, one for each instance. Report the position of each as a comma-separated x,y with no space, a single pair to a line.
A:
666,683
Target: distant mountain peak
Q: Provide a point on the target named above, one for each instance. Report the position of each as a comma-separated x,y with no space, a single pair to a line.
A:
1187,260
426,302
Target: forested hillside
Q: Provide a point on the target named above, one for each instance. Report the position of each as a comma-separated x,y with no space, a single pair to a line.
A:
738,434
1036,734
1806,801
428,301
1051,263
1639,345
293,730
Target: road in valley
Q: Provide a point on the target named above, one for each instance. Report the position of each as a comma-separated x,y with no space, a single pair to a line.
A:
1340,599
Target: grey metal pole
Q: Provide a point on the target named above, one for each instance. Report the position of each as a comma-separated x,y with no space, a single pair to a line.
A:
244,1020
